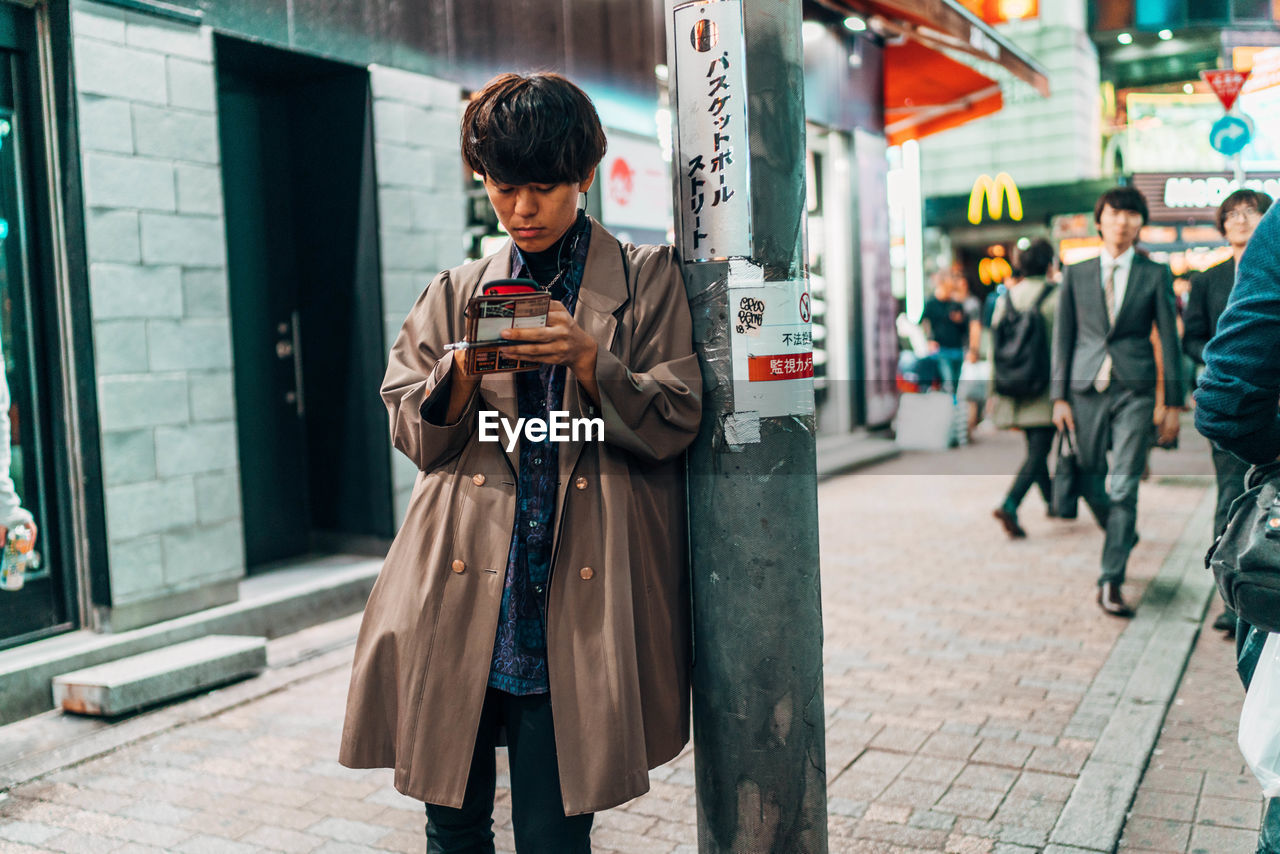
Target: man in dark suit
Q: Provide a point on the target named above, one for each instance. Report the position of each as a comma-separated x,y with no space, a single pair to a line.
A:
1104,375
1237,217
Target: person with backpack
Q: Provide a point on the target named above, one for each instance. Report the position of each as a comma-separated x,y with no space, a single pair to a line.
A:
1021,332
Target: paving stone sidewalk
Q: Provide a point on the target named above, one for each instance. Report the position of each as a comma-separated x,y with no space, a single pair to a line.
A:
955,662
1197,796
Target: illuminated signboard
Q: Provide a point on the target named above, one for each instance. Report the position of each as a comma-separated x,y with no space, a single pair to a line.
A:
1003,11
994,269
1196,196
995,192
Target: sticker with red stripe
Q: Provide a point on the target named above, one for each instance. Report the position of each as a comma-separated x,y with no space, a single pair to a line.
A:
793,366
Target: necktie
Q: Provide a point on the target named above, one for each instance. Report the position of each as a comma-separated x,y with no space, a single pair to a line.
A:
1103,379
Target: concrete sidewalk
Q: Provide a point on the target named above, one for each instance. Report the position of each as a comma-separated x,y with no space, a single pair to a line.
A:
967,688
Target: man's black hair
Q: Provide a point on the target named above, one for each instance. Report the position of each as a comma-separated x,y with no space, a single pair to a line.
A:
1122,199
1036,259
1240,199
532,129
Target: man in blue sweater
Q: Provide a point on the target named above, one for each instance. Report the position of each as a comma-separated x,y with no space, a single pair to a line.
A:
1236,403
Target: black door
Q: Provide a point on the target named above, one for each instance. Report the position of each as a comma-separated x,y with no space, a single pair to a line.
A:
305,303
44,604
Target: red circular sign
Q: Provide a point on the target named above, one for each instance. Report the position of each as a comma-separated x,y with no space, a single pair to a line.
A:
805,311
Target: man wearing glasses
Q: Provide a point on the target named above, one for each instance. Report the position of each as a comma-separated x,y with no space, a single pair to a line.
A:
1237,218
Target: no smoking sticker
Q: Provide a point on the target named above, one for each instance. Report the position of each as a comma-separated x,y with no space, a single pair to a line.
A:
772,348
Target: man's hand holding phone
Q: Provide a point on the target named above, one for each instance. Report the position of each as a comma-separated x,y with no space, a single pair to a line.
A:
561,342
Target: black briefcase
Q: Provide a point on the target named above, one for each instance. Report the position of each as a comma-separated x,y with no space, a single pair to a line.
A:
1066,478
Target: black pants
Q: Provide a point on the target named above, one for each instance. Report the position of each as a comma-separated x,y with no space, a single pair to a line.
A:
1230,471
1035,468
537,811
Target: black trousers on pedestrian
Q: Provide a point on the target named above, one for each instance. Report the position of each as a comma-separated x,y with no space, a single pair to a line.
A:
1230,471
1035,468
537,809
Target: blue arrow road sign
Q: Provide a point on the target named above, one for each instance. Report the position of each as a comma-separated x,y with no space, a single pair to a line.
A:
1229,135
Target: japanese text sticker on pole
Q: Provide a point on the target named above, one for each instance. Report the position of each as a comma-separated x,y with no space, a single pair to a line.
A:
712,168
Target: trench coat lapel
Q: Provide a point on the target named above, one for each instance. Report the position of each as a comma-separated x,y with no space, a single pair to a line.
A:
603,291
498,391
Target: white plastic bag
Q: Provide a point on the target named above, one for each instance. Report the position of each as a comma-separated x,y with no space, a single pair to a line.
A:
1260,719
974,378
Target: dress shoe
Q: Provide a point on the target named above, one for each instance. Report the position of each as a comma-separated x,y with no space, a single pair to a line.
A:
1226,622
1110,600
1010,522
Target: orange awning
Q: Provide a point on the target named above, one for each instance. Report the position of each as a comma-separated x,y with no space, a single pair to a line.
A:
926,91
947,24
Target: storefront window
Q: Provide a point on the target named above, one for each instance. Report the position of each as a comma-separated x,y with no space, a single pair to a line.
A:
34,602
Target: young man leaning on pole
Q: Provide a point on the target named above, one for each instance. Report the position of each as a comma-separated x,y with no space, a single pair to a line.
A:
536,596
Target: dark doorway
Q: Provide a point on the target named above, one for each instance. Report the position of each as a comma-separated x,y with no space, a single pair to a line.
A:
306,305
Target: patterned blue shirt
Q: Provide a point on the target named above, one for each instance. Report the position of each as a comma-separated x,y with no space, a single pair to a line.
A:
520,649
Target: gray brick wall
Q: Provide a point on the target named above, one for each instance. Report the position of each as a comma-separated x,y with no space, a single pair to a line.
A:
421,208
158,292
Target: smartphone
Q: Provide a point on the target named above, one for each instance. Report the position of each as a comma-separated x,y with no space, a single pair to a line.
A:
507,287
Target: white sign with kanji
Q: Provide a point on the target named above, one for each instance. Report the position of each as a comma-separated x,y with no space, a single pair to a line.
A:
772,342
711,147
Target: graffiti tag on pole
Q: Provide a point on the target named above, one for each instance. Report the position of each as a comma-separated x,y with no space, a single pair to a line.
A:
712,153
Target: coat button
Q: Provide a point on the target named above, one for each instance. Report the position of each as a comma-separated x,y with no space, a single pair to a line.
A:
477,479
459,566
580,483
586,572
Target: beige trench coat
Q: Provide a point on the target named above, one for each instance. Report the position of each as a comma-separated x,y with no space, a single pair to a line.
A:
617,603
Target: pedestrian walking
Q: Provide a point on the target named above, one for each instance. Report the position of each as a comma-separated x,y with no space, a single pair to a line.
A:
1237,218
1236,403
535,596
947,324
973,372
1022,329
1104,376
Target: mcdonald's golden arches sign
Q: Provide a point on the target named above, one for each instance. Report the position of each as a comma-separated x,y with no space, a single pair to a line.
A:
996,192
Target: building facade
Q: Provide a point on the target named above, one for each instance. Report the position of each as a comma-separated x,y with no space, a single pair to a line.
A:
215,217
1007,177
224,215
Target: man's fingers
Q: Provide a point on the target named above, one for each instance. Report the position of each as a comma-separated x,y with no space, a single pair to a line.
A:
533,334
541,352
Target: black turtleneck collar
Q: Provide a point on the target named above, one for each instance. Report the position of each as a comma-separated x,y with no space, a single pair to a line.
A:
543,266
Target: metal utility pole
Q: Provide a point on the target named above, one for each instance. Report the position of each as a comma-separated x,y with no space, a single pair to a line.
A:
739,167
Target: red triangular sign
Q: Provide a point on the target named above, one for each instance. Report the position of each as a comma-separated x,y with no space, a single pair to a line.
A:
1226,84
